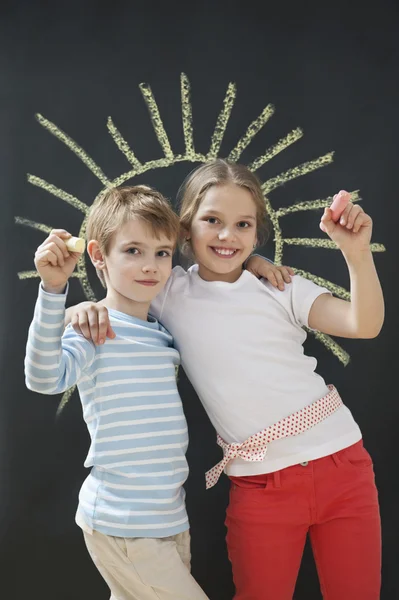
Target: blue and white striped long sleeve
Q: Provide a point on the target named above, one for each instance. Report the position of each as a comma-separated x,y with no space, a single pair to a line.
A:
132,410
54,362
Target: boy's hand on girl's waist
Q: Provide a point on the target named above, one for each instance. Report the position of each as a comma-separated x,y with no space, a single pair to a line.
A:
275,274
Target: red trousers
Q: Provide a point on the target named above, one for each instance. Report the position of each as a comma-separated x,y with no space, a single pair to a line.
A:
335,500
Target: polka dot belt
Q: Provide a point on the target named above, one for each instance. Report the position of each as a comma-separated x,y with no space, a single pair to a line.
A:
254,449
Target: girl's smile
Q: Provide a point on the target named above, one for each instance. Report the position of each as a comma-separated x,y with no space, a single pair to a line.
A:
224,252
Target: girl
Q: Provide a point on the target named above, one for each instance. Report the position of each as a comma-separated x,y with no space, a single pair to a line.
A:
292,450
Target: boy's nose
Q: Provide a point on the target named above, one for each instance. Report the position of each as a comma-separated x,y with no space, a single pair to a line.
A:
150,268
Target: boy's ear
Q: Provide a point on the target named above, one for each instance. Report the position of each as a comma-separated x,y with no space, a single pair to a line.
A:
96,255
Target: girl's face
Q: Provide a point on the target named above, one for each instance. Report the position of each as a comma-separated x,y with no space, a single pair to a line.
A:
223,232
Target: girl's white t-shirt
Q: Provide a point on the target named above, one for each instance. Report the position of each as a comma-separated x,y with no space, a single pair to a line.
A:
241,346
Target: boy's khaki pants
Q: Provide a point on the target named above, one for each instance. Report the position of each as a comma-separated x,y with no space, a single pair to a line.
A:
145,568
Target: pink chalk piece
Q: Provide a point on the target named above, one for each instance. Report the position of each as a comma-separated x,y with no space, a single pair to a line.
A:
339,203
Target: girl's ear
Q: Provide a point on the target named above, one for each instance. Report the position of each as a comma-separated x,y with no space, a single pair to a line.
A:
96,255
185,234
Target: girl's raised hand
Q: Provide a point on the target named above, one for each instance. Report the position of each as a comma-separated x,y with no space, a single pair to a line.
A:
352,232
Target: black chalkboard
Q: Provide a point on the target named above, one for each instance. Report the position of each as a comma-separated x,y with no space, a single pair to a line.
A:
329,75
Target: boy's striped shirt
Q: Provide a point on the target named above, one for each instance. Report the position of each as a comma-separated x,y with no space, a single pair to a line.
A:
133,412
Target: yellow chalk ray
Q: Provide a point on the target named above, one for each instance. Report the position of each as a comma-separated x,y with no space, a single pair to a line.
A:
304,169
160,163
337,290
65,399
52,189
191,155
313,204
281,145
35,275
333,347
278,234
187,115
324,243
33,224
251,132
156,120
76,149
222,121
123,145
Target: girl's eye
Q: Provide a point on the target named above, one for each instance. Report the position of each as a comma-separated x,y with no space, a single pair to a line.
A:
132,251
212,220
163,253
243,224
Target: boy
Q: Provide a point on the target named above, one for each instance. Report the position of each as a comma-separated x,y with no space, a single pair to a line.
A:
131,506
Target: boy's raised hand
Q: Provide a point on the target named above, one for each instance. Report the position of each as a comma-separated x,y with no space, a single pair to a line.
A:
53,261
261,267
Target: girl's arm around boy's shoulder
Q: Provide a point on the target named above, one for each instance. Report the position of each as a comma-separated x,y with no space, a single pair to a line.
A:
91,319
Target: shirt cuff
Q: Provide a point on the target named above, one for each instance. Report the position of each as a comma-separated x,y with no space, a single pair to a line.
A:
45,294
308,303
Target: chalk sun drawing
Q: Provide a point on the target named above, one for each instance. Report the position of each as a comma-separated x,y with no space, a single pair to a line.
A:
191,155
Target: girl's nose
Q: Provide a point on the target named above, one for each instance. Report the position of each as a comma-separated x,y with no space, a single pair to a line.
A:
226,233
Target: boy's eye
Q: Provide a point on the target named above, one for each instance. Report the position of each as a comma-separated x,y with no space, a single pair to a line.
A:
133,251
243,224
163,253
212,220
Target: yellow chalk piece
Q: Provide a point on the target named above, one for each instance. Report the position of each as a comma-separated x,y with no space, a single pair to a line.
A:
75,244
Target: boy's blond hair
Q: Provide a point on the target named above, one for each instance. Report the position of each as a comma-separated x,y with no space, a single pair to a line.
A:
116,206
220,172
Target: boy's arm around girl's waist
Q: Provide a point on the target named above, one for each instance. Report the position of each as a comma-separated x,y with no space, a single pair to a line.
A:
55,360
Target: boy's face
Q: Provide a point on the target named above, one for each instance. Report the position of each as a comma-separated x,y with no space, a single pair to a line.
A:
138,264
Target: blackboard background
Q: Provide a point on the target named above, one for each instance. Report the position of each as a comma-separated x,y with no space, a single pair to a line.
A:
331,69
